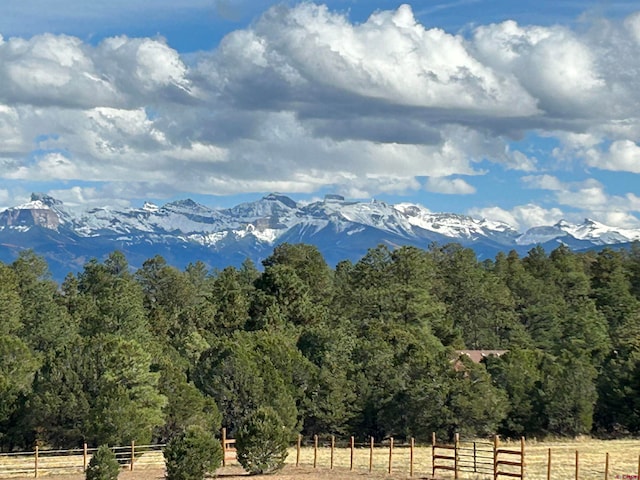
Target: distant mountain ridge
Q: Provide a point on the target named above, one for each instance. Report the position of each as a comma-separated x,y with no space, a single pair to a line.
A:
185,231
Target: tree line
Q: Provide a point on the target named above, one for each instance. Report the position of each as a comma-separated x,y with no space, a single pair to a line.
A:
368,348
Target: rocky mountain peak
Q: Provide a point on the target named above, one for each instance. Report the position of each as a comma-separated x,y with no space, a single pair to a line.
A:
41,211
277,197
188,231
45,200
150,207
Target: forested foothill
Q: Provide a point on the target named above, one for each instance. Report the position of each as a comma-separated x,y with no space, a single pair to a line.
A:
112,355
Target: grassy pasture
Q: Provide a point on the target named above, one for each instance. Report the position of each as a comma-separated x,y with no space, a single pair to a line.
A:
623,459
68,462
623,456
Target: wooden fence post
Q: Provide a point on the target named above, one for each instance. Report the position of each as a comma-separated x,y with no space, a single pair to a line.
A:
333,447
496,443
412,447
433,454
315,451
577,465
475,457
606,467
455,456
84,457
224,446
522,458
370,454
298,450
36,462
549,464
391,453
352,446
133,454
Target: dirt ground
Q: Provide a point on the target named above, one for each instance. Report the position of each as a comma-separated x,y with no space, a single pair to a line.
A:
305,473
235,472
598,459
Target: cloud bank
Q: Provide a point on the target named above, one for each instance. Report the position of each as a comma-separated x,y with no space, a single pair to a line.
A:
304,100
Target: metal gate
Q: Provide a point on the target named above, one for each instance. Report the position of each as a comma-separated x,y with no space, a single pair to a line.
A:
478,457
472,456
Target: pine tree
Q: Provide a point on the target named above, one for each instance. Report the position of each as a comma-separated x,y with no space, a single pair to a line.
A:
103,465
262,442
192,455
46,325
111,301
124,402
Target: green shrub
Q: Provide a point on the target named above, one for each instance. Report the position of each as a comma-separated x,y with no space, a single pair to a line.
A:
262,442
192,454
103,465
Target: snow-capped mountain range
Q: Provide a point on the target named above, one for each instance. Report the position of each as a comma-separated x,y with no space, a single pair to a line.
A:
185,231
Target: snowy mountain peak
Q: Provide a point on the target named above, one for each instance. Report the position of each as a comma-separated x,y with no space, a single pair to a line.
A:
150,207
186,204
45,199
278,214
42,211
341,229
562,224
40,201
410,209
589,230
602,234
273,210
333,198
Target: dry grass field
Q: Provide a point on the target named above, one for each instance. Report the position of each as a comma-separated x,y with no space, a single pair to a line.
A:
624,458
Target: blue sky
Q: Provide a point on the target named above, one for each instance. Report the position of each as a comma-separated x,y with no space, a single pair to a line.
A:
525,112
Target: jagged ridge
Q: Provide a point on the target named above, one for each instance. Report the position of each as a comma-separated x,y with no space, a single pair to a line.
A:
335,225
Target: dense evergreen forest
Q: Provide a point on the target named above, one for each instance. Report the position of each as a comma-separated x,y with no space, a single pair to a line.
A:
365,349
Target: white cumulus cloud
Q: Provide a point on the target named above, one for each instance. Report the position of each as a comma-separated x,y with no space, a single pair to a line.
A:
622,155
304,99
449,186
521,217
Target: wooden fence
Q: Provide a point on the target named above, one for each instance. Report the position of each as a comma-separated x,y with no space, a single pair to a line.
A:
472,459
40,462
481,458
477,459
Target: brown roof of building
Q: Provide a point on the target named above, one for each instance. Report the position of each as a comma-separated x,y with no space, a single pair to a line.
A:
478,355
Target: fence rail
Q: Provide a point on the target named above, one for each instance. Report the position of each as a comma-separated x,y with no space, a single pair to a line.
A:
474,459
228,448
508,462
51,462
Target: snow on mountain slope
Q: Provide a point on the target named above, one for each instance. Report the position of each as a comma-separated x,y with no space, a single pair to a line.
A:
452,225
274,206
270,218
600,233
375,214
42,210
185,216
541,234
590,230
